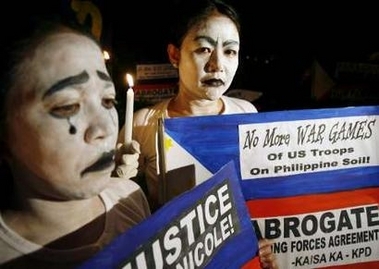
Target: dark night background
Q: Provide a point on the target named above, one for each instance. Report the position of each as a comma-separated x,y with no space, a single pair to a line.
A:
279,43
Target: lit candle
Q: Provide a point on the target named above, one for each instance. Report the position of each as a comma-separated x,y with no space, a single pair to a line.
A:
129,111
106,55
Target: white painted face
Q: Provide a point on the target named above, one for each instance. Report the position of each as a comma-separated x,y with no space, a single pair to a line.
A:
64,83
209,58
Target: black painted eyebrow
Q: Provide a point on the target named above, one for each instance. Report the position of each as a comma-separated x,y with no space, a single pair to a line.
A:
73,80
103,76
214,42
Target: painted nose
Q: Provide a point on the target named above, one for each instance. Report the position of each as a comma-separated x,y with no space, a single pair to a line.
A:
215,62
103,125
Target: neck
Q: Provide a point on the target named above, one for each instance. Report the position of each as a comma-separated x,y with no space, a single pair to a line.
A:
181,106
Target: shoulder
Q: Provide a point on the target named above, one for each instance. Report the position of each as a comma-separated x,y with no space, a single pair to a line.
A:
235,105
120,188
144,115
123,187
145,120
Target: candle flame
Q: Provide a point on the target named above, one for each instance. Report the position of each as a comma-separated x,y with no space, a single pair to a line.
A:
129,79
106,55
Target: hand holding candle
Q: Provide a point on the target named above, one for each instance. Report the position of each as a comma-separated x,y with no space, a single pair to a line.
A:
129,111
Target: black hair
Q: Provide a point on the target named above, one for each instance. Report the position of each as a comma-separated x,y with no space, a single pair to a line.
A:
20,40
190,12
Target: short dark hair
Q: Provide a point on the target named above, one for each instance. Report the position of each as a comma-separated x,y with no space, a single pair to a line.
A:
19,41
190,12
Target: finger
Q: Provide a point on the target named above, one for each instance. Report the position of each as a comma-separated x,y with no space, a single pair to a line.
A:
120,171
126,171
119,145
135,147
130,159
264,242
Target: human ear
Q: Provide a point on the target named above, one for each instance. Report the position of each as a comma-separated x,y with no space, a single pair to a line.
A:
173,54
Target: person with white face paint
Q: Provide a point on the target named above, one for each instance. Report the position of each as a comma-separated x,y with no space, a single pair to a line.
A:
59,128
203,45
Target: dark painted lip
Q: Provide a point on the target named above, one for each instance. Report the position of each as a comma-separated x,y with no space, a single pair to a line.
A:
213,82
104,162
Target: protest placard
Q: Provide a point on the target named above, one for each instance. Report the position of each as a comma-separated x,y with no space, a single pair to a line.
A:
310,178
207,227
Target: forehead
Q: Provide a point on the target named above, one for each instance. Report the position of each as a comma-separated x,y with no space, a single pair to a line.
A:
59,56
216,26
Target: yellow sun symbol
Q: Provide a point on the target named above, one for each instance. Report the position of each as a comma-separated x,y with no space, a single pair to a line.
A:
168,143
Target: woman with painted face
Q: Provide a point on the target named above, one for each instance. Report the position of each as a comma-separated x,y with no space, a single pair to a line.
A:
59,128
204,44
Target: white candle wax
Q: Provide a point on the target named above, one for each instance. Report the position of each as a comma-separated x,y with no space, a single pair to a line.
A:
129,111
